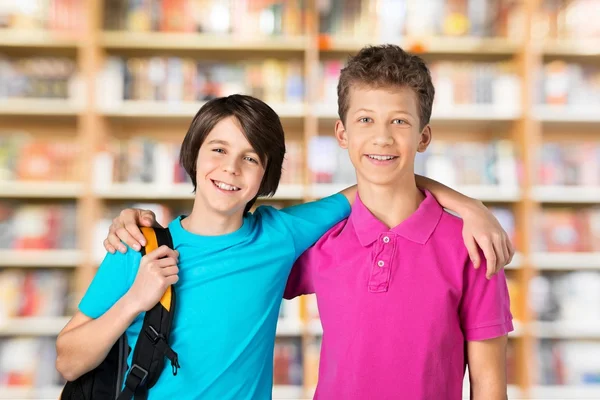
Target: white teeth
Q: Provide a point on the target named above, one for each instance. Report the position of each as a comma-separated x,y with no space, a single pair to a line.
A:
381,158
225,186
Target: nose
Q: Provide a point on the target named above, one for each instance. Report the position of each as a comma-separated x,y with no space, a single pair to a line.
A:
383,137
231,166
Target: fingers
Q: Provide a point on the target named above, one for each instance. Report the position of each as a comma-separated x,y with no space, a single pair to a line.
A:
171,280
162,252
511,250
109,247
487,247
501,257
113,239
473,250
147,218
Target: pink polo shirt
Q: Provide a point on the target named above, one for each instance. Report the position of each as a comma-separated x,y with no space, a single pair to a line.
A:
397,305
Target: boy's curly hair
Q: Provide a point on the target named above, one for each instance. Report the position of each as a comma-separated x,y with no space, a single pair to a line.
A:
386,66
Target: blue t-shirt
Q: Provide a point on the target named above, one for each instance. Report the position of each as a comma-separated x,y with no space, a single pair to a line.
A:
228,298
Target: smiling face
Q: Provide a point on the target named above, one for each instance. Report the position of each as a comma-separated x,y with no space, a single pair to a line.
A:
382,134
229,171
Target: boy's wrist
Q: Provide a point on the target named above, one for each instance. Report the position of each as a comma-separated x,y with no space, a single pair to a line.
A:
131,304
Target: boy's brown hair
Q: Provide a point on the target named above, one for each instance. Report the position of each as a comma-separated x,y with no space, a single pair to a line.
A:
386,66
261,126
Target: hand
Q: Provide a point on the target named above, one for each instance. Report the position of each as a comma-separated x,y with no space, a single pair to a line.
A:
158,270
480,227
125,228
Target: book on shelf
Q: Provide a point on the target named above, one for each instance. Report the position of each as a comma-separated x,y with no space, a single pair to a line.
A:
287,361
38,226
393,19
143,159
27,363
571,299
60,16
457,84
568,230
240,18
470,163
328,163
570,164
38,77
24,157
568,19
32,293
175,79
569,84
573,363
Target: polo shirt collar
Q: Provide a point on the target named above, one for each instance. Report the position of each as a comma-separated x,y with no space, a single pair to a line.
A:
416,228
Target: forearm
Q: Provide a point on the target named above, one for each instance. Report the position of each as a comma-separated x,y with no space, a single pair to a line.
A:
83,348
447,197
491,388
487,368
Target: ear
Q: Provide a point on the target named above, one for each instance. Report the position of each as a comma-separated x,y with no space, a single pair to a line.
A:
424,139
341,135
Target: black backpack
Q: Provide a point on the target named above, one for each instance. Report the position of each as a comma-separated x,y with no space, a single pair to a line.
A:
106,381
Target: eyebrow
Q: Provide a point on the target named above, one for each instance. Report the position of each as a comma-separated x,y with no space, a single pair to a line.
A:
395,111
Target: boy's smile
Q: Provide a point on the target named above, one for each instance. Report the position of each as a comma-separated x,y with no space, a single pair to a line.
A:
381,159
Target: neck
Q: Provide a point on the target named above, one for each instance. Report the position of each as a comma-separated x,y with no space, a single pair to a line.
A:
206,222
391,204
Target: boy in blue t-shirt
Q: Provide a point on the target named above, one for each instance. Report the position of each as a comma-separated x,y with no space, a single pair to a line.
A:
230,267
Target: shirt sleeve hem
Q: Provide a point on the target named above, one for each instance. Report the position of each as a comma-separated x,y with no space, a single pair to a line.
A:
489,332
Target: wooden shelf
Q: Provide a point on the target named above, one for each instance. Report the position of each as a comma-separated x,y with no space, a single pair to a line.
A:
566,330
566,261
566,392
41,190
181,191
516,263
181,110
199,42
566,194
491,193
289,327
15,393
567,114
33,326
38,107
429,45
41,258
287,392
37,39
572,48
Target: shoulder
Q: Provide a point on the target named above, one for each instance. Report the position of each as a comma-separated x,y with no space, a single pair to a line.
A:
448,238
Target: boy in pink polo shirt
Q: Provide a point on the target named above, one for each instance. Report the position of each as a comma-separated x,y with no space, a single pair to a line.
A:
403,310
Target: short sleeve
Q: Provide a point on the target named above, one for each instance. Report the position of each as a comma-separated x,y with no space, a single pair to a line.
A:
112,280
309,221
485,306
300,280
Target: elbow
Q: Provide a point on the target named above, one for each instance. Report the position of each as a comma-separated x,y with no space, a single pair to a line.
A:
63,365
64,370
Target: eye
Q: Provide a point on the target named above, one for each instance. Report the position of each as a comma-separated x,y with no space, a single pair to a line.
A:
365,119
399,122
250,159
219,151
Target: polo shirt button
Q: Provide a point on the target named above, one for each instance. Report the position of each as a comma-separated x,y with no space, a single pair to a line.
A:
386,239
380,263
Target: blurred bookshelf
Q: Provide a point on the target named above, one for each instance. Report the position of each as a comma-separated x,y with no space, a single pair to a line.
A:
95,100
